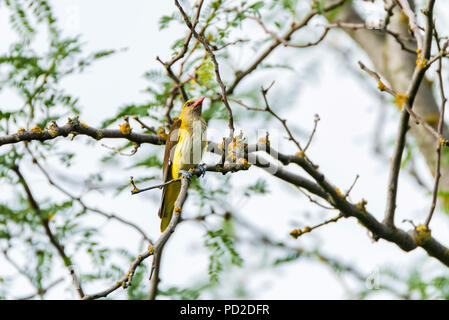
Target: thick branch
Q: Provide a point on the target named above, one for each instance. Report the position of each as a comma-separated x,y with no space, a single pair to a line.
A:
407,241
152,250
412,90
77,128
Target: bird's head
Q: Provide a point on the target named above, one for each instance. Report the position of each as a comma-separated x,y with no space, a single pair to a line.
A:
192,108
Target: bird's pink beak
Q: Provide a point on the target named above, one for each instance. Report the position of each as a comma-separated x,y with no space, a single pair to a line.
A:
199,101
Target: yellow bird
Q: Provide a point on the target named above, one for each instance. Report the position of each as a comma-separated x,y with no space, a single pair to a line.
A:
184,148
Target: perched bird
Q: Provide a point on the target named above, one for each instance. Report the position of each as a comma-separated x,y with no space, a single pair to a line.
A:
184,148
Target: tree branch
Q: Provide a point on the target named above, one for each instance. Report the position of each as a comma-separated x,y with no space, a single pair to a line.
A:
82,203
206,46
152,250
240,75
412,90
45,223
78,128
440,132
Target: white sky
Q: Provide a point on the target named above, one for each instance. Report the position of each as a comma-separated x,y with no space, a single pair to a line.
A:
343,147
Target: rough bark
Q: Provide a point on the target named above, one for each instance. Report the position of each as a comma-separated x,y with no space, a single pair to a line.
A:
397,66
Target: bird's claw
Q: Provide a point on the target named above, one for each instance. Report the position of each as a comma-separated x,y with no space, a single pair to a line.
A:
189,173
186,174
202,168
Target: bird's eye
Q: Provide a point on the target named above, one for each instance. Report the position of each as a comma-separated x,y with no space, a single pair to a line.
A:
189,103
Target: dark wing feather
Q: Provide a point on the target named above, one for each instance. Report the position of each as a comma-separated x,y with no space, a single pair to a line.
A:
168,158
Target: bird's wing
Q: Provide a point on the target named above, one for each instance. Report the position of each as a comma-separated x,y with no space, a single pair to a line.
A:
168,160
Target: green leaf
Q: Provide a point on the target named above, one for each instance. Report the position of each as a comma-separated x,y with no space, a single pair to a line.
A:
164,22
205,72
260,187
150,162
289,258
221,247
256,6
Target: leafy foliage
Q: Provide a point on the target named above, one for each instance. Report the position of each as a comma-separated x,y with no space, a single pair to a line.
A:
260,187
37,77
183,294
221,247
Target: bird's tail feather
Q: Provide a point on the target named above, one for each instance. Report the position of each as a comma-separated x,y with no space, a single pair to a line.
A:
169,196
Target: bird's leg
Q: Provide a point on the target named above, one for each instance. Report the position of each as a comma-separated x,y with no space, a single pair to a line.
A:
188,174
202,168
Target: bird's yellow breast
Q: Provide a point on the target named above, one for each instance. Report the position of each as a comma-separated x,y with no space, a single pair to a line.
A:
189,150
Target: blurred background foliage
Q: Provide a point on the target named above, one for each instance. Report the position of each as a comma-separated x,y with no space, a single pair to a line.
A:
36,78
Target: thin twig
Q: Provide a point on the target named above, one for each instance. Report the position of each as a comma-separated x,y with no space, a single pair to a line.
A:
81,202
418,119
382,86
143,125
215,48
315,201
405,6
152,250
45,223
440,131
283,121
133,151
168,66
175,79
389,6
284,41
299,232
352,186
315,125
42,291
363,26
412,91
20,270
154,276
241,74
136,190
206,46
